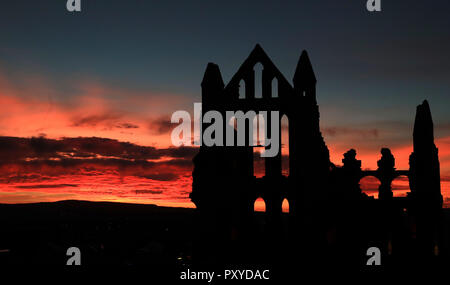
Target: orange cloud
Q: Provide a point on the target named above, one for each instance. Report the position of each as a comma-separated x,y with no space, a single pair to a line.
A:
34,106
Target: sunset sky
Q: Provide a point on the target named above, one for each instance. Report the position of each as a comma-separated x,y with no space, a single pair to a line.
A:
117,70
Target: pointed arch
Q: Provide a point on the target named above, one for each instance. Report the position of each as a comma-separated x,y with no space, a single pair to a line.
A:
274,87
242,89
259,205
258,70
285,206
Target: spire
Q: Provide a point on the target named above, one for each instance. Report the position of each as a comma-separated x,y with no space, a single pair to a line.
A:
423,127
212,76
304,74
258,48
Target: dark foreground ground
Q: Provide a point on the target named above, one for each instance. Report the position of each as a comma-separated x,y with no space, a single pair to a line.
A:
106,233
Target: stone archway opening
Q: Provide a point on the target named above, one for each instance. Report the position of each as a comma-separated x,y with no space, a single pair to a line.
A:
369,185
259,205
400,186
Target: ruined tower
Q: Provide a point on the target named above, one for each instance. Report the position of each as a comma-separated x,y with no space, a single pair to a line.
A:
425,180
310,156
425,184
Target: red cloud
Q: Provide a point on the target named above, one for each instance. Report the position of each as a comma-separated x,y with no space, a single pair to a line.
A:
93,169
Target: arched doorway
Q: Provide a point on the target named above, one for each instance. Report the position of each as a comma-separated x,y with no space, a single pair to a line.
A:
259,205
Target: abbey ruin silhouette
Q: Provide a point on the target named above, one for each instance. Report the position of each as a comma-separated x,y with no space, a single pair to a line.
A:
329,216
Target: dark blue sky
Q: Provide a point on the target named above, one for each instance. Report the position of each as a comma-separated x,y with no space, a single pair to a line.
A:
372,68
